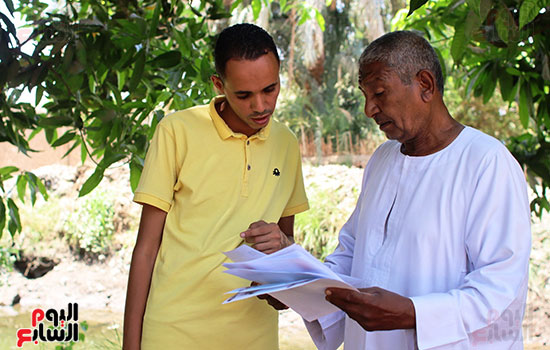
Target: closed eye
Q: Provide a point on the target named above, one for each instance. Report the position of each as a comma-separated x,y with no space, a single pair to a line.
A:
270,88
243,96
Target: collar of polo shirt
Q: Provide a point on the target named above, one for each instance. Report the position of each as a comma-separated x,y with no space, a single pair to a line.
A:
225,132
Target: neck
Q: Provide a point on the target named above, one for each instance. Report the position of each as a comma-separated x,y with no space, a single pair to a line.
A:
441,131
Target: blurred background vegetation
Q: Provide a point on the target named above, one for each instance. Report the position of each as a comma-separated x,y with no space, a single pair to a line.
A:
97,76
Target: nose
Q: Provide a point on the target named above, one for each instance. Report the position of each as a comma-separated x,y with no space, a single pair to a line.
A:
258,105
370,108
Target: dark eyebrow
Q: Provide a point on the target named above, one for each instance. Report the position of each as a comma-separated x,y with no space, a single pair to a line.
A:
270,86
247,92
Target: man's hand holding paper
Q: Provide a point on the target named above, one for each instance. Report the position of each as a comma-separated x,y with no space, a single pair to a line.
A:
291,275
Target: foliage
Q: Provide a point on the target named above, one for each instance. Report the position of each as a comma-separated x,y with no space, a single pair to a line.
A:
103,74
494,117
90,227
329,103
504,44
7,258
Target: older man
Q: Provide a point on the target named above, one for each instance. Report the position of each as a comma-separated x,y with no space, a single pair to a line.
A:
440,236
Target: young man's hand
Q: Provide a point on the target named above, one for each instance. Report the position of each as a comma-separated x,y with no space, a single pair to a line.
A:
267,238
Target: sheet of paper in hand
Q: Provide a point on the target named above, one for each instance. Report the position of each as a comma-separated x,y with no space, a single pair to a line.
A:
291,275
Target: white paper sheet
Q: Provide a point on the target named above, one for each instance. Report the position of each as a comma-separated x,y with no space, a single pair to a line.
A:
291,275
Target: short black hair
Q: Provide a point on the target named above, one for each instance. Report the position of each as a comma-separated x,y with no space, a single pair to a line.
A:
242,41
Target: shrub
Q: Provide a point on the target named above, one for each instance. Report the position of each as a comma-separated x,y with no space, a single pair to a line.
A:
332,192
89,229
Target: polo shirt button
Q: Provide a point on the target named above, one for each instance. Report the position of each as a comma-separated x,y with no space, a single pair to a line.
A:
248,142
248,167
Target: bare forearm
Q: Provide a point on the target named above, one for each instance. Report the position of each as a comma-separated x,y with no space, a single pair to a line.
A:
139,281
141,271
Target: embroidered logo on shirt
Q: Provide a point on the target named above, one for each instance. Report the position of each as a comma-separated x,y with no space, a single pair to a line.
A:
276,172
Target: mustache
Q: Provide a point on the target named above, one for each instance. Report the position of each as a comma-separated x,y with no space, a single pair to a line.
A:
263,113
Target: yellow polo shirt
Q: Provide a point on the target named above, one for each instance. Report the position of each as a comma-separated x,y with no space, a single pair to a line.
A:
213,183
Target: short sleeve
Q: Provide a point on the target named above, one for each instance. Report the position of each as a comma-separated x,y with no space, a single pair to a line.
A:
161,169
297,202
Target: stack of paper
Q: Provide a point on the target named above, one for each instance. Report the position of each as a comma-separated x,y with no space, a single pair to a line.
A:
291,275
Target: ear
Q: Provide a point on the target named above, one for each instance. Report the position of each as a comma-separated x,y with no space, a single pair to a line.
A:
218,84
428,86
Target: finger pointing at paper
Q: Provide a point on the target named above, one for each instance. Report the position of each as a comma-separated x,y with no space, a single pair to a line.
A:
374,308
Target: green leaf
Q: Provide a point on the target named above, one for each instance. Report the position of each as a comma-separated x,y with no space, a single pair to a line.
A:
7,170
39,93
488,88
476,74
155,20
9,5
505,25
121,79
21,187
472,24
234,5
546,67
83,152
9,25
55,121
474,5
42,189
111,158
32,186
138,70
135,173
524,102
167,59
458,46
506,83
2,216
414,5
92,182
442,63
304,16
205,69
256,8
528,11
165,95
72,148
513,71
14,224
320,19
68,136
484,8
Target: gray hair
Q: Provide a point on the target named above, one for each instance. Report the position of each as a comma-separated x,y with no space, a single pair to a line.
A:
406,52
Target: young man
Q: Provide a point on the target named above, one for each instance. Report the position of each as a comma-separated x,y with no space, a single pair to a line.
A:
211,171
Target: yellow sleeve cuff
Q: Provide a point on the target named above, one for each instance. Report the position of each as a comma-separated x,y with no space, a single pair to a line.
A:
144,198
295,210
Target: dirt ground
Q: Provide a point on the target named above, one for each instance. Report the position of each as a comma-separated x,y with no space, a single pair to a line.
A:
99,288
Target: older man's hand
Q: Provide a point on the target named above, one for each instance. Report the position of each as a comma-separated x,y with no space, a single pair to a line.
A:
374,308
267,238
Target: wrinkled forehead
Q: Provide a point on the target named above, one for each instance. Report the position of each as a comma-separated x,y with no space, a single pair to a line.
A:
375,72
